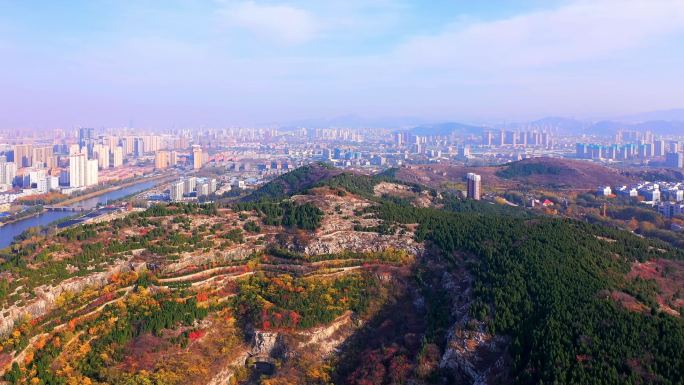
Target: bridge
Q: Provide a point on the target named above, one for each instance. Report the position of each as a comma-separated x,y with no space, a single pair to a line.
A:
65,208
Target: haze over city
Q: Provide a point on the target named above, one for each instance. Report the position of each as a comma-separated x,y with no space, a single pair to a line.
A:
163,64
341,192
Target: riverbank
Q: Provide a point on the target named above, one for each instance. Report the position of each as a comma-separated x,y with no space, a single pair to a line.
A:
90,195
111,189
46,218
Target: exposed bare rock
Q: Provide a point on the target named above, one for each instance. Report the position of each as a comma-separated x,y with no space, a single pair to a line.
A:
393,189
264,343
360,242
225,376
238,253
327,338
46,296
472,354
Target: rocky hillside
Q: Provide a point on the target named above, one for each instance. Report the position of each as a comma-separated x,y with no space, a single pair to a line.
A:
351,280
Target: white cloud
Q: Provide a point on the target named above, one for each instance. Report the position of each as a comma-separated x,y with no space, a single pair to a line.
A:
579,31
282,23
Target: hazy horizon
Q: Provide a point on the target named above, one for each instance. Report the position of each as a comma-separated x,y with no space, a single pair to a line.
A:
191,63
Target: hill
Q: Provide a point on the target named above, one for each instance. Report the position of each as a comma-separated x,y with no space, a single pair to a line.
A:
444,129
556,172
349,282
528,173
676,114
294,181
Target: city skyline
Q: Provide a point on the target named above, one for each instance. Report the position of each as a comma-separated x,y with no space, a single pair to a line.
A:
223,63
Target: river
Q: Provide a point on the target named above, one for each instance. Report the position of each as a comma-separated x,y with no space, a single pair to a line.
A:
9,231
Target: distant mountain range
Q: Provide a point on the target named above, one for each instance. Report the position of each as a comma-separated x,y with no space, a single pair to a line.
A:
666,122
356,121
448,128
666,115
669,122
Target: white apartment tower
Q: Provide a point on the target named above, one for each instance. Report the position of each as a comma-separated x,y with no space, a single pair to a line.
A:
8,171
117,156
474,186
102,155
91,175
77,170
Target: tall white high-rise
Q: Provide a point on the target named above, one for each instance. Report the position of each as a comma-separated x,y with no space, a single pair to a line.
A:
176,191
77,170
91,174
102,155
74,149
8,171
474,186
117,156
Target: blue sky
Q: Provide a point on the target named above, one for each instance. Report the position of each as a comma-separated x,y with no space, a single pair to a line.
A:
191,63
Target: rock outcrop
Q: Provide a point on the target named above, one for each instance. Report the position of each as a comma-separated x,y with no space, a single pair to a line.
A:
46,296
472,354
360,242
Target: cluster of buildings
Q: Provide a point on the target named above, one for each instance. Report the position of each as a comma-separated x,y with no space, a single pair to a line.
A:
531,138
69,167
71,163
666,196
630,146
192,188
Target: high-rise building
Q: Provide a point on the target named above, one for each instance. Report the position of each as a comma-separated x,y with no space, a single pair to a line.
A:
151,142
674,159
464,151
117,156
127,143
86,140
32,177
51,182
102,155
176,191
161,159
43,156
203,188
77,170
582,150
138,147
197,160
173,158
398,139
673,146
474,186
74,149
91,174
111,142
23,154
190,184
511,138
487,138
659,148
8,171
326,154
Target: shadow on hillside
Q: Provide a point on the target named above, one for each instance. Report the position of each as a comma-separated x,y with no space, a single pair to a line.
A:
403,340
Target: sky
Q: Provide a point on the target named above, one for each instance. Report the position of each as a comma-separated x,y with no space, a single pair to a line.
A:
220,63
